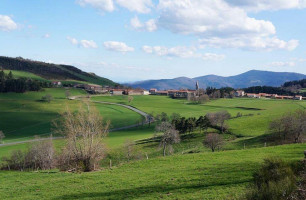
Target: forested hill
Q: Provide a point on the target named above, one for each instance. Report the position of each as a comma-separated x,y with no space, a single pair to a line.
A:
52,71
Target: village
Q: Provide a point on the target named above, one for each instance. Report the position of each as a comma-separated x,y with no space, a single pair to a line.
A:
182,93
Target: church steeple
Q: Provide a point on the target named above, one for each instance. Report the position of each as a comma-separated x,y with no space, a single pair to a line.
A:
197,85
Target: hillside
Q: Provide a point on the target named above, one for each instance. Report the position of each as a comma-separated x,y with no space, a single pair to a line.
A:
247,79
52,71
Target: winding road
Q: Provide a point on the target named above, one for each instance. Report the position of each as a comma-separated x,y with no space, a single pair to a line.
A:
147,117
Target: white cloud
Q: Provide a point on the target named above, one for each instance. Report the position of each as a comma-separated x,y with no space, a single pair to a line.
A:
149,25
73,40
140,6
255,43
83,43
88,44
7,24
117,46
102,5
260,5
212,56
219,24
47,35
281,64
181,52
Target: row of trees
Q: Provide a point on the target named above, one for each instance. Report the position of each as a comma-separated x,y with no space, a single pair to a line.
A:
214,120
171,128
10,84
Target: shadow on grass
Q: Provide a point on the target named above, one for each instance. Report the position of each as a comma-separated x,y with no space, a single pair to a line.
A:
155,191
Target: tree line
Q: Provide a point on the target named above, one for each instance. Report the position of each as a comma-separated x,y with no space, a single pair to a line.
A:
19,85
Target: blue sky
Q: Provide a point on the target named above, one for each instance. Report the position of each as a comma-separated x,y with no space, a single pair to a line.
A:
144,39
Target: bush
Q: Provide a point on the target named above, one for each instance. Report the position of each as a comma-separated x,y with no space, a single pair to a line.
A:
39,156
275,180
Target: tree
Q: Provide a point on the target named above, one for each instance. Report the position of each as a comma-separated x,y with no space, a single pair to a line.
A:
218,119
203,98
84,132
2,136
130,99
213,141
191,124
170,136
48,98
203,123
67,94
129,148
291,127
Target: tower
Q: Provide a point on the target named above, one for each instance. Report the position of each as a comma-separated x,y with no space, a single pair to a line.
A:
197,85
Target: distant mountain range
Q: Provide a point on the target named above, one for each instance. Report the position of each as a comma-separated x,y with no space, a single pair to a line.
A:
247,79
52,71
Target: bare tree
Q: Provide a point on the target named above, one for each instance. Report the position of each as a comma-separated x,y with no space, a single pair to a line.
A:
41,155
48,98
129,148
291,127
213,141
2,136
218,119
170,136
67,94
130,99
203,98
84,132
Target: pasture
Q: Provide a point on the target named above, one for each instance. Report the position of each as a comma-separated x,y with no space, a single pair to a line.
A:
220,175
258,112
23,74
22,116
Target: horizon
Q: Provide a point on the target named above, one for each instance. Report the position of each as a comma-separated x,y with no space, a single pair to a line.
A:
129,41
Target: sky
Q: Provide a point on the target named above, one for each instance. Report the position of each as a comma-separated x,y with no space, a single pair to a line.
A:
131,40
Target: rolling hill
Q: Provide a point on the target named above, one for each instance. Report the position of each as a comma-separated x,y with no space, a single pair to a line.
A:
51,71
247,79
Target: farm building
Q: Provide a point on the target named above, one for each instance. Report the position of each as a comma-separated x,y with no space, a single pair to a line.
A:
239,93
117,91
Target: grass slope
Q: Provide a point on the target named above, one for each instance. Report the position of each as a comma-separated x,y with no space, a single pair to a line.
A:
221,175
22,115
23,74
263,110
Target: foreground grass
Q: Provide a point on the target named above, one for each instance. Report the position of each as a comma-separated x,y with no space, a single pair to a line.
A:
220,175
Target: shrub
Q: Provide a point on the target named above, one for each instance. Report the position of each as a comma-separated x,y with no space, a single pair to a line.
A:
275,180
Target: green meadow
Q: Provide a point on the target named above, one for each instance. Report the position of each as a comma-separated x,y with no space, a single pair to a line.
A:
193,172
220,175
23,74
23,116
261,111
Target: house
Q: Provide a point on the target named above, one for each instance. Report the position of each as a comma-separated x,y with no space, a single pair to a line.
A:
239,93
162,93
117,91
146,92
298,97
57,83
153,91
93,88
252,95
182,93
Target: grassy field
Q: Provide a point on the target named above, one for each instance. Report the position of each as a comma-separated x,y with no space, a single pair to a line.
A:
262,110
193,172
23,116
221,175
22,74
